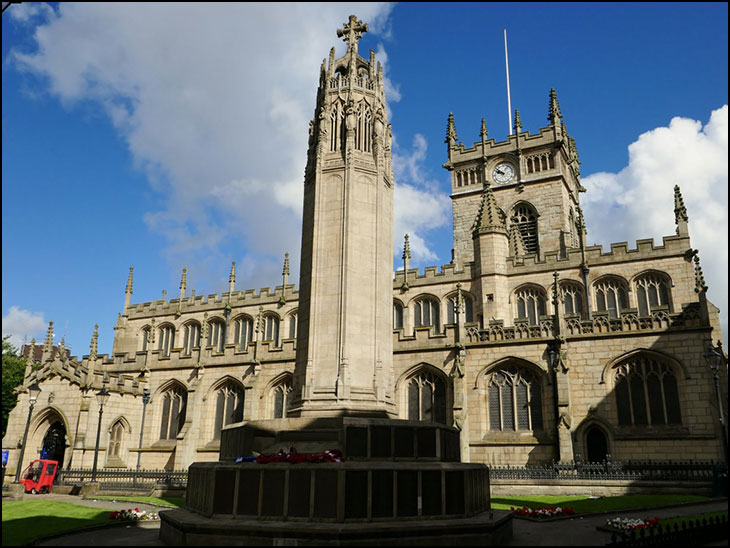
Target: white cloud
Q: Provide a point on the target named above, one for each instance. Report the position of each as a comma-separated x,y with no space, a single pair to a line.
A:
419,206
638,202
212,100
23,325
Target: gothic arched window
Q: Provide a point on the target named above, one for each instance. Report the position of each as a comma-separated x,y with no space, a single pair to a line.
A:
167,340
646,393
572,299
292,318
611,296
216,335
145,338
271,329
242,332
174,407
427,398
426,312
530,304
515,400
397,315
191,337
281,398
525,217
116,438
229,402
652,290
451,309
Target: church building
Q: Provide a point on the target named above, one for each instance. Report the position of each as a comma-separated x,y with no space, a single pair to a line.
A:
534,345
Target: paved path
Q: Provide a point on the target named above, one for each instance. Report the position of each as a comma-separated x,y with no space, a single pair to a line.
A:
578,531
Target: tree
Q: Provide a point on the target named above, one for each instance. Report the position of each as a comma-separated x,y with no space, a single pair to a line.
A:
13,372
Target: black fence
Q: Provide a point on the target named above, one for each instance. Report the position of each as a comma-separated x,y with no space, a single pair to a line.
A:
125,479
692,471
690,533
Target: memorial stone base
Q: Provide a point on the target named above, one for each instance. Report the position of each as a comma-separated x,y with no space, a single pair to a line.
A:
401,483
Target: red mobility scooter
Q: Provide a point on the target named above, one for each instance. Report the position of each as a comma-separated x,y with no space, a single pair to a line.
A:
39,476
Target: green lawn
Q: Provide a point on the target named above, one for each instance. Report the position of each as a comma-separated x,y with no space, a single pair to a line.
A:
27,520
585,505
173,502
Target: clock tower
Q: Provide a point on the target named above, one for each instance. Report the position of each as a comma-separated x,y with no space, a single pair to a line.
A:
535,182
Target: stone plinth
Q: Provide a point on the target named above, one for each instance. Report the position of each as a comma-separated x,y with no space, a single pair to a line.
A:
357,438
338,492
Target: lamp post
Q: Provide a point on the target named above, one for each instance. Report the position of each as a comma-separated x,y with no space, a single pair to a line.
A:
33,391
102,396
145,401
715,358
553,354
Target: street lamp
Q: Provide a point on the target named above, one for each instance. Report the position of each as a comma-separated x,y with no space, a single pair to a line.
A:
33,391
145,401
102,397
715,359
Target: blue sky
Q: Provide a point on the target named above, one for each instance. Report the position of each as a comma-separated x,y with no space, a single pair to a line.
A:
164,137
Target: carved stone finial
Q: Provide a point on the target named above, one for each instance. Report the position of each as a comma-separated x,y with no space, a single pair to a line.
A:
164,294
184,280
700,285
30,358
451,137
518,122
351,32
93,347
406,248
483,132
554,114
285,272
680,212
48,344
128,290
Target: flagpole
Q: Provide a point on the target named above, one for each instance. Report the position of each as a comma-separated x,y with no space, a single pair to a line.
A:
509,99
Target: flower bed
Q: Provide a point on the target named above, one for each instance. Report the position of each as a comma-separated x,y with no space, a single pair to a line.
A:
133,515
628,524
543,512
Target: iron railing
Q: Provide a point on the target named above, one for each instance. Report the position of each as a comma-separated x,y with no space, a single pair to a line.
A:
693,471
111,478
692,533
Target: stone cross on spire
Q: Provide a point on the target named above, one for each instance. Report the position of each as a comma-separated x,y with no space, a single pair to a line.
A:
351,32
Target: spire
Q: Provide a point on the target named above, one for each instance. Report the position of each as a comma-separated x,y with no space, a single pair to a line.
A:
451,137
483,132
489,217
93,347
128,290
700,285
554,114
351,32
232,277
516,243
518,123
680,213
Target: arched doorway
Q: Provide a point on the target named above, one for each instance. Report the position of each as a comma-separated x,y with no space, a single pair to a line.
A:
54,443
596,445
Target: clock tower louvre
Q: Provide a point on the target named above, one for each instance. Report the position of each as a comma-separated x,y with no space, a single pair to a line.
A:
536,184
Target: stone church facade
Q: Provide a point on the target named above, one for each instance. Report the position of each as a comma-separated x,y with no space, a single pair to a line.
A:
534,345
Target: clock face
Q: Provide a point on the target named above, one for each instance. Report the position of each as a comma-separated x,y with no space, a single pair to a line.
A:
504,173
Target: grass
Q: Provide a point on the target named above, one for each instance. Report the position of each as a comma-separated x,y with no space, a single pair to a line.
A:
586,505
28,520
173,502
